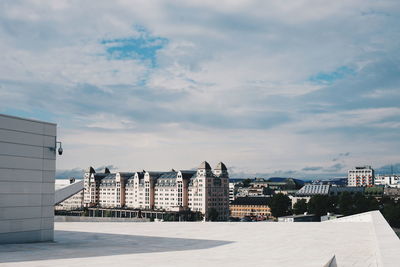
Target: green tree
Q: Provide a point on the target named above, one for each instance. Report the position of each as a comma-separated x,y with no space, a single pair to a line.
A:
213,214
391,212
373,204
360,203
246,182
320,205
346,204
280,205
198,216
300,206
85,212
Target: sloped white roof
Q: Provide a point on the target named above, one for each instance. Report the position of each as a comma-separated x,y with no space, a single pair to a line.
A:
362,240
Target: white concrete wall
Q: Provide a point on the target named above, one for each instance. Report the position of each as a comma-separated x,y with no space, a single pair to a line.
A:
27,170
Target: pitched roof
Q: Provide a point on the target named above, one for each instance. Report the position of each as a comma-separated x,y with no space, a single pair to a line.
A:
205,165
221,167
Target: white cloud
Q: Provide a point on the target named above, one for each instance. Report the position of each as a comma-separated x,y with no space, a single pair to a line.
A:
232,83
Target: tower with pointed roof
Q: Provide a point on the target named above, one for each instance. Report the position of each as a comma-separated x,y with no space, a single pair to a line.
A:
210,190
220,170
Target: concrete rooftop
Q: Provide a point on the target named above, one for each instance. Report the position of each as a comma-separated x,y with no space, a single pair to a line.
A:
354,242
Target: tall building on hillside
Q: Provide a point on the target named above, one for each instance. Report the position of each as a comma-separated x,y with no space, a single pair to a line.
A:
201,190
361,176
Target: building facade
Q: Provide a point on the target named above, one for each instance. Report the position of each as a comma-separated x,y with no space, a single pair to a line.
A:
232,191
254,192
387,180
27,170
361,176
253,207
200,190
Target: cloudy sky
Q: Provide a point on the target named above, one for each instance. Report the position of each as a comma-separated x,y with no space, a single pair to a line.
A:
289,88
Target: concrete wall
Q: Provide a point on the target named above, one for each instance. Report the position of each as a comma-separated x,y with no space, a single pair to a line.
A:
27,170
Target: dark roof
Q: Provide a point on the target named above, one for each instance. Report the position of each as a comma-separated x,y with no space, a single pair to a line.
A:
168,175
251,201
100,175
90,170
155,174
167,179
126,175
140,174
205,165
285,180
187,174
110,178
132,177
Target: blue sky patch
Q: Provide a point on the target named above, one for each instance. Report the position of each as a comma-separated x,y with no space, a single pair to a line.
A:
143,48
35,114
327,78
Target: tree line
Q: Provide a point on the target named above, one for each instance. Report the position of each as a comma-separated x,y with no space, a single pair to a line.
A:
345,204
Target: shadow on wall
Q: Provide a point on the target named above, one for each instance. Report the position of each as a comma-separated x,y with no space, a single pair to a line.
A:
71,244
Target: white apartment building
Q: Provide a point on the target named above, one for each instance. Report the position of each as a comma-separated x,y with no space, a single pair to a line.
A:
387,180
361,176
201,190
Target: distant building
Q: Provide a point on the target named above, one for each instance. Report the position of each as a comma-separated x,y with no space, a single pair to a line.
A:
333,181
387,180
72,203
361,176
254,192
330,216
300,218
338,190
374,191
311,190
198,191
232,190
392,192
277,183
254,207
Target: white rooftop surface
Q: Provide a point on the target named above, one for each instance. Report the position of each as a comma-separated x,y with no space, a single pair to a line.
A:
353,241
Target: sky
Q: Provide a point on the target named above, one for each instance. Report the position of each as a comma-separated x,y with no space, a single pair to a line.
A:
300,89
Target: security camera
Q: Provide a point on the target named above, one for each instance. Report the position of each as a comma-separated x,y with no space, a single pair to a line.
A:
60,151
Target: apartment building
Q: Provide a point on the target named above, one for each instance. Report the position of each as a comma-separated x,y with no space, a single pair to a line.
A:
198,190
387,180
255,207
361,176
254,192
